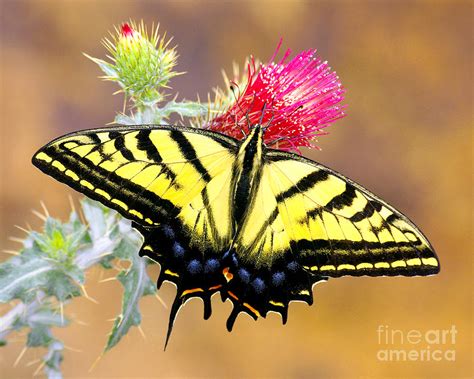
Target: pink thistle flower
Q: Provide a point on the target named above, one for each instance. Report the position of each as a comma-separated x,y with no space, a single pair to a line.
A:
295,100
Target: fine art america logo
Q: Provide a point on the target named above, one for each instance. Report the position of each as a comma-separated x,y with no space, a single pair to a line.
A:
431,345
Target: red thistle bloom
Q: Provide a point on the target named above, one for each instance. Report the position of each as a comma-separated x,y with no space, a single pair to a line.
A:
295,100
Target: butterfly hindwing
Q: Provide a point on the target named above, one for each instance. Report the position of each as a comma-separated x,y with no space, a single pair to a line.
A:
332,225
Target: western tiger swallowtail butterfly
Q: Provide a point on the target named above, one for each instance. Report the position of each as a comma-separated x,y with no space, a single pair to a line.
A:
258,225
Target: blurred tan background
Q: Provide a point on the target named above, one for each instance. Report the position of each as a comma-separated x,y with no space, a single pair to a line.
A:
407,68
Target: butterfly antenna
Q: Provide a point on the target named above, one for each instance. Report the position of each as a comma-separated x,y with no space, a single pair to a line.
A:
269,123
247,114
275,141
271,118
264,108
232,89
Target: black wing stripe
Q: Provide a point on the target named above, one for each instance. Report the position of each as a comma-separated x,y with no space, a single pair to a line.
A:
189,153
119,143
94,138
210,215
124,190
343,199
267,224
367,212
145,144
359,248
304,184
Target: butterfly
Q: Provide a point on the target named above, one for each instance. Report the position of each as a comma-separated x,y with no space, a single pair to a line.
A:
258,225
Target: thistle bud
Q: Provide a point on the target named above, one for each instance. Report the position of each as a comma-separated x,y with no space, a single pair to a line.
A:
141,64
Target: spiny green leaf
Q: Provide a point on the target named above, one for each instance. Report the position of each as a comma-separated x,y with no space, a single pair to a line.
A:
53,359
60,242
39,336
136,284
129,245
40,321
107,68
98,220
62,286
46,263
146,115
184,109
155,115
45,315
20,279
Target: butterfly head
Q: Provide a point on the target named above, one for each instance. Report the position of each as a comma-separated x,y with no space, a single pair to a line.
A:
260,126
254,139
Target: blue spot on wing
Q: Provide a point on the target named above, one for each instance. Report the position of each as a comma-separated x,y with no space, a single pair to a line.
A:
258,285
211,265
244,275
168,231
178,250
278,278
194,267
292,266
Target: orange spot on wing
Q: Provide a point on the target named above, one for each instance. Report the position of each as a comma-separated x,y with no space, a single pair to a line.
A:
231,294
215,287
252,309
227,274
193,290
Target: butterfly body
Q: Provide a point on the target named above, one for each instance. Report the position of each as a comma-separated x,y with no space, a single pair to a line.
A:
258,225
247,173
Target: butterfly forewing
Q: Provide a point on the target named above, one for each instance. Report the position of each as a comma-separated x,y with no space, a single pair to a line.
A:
150,174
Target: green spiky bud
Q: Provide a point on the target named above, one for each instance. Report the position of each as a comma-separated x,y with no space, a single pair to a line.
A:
141,64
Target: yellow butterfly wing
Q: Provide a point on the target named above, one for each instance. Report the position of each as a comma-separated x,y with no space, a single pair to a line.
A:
151,174
330,224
